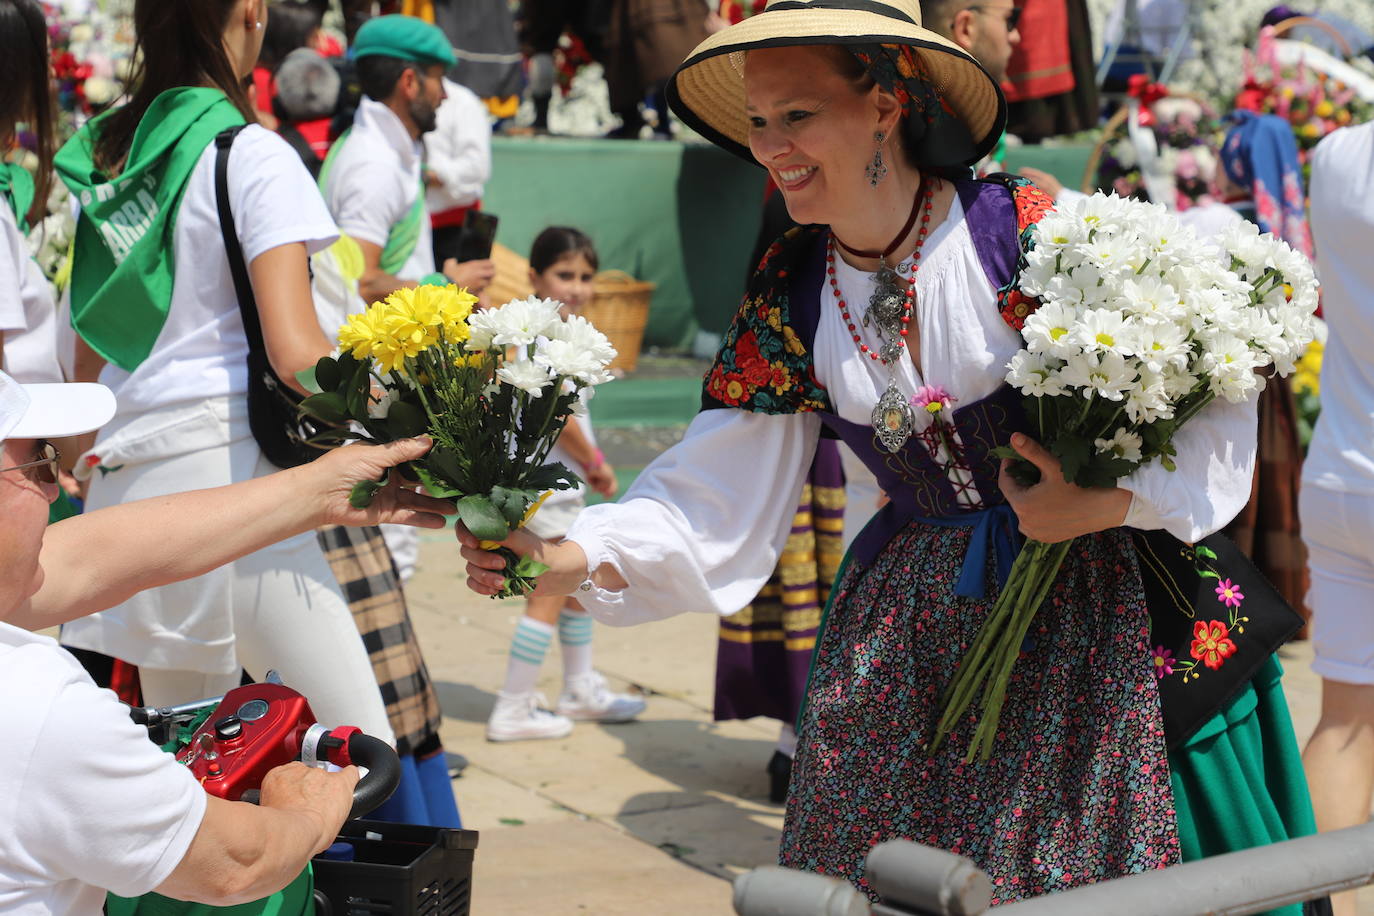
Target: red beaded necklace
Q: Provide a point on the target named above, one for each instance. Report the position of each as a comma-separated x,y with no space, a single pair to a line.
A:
924,195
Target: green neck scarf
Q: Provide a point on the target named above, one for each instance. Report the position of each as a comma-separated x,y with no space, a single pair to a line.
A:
122,261
404,236
16,186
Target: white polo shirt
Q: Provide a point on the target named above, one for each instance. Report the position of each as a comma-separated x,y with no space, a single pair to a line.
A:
373,183
87,801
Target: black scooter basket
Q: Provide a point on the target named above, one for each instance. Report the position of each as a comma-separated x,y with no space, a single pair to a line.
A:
397,868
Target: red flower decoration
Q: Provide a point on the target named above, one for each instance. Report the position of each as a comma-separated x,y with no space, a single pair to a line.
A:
1211,643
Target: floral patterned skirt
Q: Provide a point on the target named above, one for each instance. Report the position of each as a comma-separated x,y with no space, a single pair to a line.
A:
1078,788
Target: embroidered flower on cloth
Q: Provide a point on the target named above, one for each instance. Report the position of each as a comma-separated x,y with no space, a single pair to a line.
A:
1163,661
1211,643
1229,593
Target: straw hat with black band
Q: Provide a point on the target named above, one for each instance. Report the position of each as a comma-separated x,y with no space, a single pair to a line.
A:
707,91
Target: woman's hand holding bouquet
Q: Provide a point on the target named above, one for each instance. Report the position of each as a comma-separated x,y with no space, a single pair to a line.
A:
493,388
1140,326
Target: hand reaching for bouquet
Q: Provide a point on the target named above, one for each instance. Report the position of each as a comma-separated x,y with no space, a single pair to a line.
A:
566,562
1054,510
334,474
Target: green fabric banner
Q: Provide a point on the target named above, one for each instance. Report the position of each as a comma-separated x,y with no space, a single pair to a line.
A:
122,262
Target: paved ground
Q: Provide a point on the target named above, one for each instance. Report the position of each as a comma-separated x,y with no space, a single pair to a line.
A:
652,817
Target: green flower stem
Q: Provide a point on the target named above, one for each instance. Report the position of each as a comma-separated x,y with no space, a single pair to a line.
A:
974,668
1044,569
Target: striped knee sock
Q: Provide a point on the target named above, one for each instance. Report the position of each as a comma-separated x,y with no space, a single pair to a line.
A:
527,648
575,638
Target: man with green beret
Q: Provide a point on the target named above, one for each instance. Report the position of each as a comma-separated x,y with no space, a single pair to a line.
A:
372,179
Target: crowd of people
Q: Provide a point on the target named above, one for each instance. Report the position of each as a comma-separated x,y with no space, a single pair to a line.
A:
263,178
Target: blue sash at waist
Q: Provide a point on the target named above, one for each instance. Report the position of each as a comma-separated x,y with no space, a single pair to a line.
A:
994,530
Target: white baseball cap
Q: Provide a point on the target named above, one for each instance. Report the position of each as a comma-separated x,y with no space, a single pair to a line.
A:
53,410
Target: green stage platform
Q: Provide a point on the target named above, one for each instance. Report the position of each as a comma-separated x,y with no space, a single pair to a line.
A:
683,215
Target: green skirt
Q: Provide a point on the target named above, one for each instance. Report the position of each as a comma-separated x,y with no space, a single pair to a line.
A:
1239,782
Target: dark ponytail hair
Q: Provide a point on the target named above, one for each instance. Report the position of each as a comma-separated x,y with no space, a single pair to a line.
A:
556,243
180,43
28,94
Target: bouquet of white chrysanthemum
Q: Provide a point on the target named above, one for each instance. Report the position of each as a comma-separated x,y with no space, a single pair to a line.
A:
494,388
1140,326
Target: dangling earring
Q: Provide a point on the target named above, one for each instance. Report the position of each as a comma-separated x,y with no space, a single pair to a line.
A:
876,170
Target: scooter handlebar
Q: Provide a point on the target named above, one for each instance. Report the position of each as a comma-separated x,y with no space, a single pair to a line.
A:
383,772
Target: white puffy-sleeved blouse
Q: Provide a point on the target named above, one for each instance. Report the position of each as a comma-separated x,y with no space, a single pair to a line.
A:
703,525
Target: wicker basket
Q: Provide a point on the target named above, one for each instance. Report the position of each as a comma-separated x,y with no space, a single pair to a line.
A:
1287,25
619,306
512,280
620,310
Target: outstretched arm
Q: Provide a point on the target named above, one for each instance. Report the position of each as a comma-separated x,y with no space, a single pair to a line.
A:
97,560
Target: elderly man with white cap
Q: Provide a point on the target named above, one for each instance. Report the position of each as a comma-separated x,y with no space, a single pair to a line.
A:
88,802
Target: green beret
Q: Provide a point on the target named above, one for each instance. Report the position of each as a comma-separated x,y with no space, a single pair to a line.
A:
404,37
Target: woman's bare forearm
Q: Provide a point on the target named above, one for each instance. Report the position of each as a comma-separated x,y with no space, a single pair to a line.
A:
99,559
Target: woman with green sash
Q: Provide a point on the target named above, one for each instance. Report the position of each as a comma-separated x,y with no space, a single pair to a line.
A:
154,307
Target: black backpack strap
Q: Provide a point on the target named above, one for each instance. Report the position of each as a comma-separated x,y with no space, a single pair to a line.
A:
243,287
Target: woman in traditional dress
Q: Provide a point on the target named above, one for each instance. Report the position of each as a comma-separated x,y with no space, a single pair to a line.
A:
900,276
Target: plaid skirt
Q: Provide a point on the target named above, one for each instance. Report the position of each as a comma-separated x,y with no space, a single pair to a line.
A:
368,580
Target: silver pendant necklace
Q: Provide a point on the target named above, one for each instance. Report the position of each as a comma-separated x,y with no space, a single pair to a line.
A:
890,308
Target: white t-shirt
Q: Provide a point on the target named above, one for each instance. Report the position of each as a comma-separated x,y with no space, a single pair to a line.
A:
28,317
88,803
458,150
202,351
373,183
1341,456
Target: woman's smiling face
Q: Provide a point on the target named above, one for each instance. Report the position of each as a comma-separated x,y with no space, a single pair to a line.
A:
812,127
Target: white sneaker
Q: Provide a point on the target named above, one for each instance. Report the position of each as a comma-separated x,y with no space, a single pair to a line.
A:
524,717
588,697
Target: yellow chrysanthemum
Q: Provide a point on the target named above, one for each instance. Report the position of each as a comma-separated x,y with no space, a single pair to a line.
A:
406,323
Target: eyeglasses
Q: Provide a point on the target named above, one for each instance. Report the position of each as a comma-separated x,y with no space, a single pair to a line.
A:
45,469
1013,15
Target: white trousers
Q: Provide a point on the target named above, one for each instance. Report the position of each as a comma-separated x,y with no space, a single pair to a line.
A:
1338,529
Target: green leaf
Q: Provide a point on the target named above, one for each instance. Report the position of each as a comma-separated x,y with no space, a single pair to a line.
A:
1205,552
433,485
554,476
1074,453
513,503
404,420
482,518
328,406
328,374
529,568
512,821
307,377
360,497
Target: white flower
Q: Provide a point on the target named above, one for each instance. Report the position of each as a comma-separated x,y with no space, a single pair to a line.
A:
1102,331
481,330
1081,286
1048,330
1105,374
567,359
583,335
520,322
1159,344
1059,229
1123,444
1032,375
1149,297
1148,400
526,375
